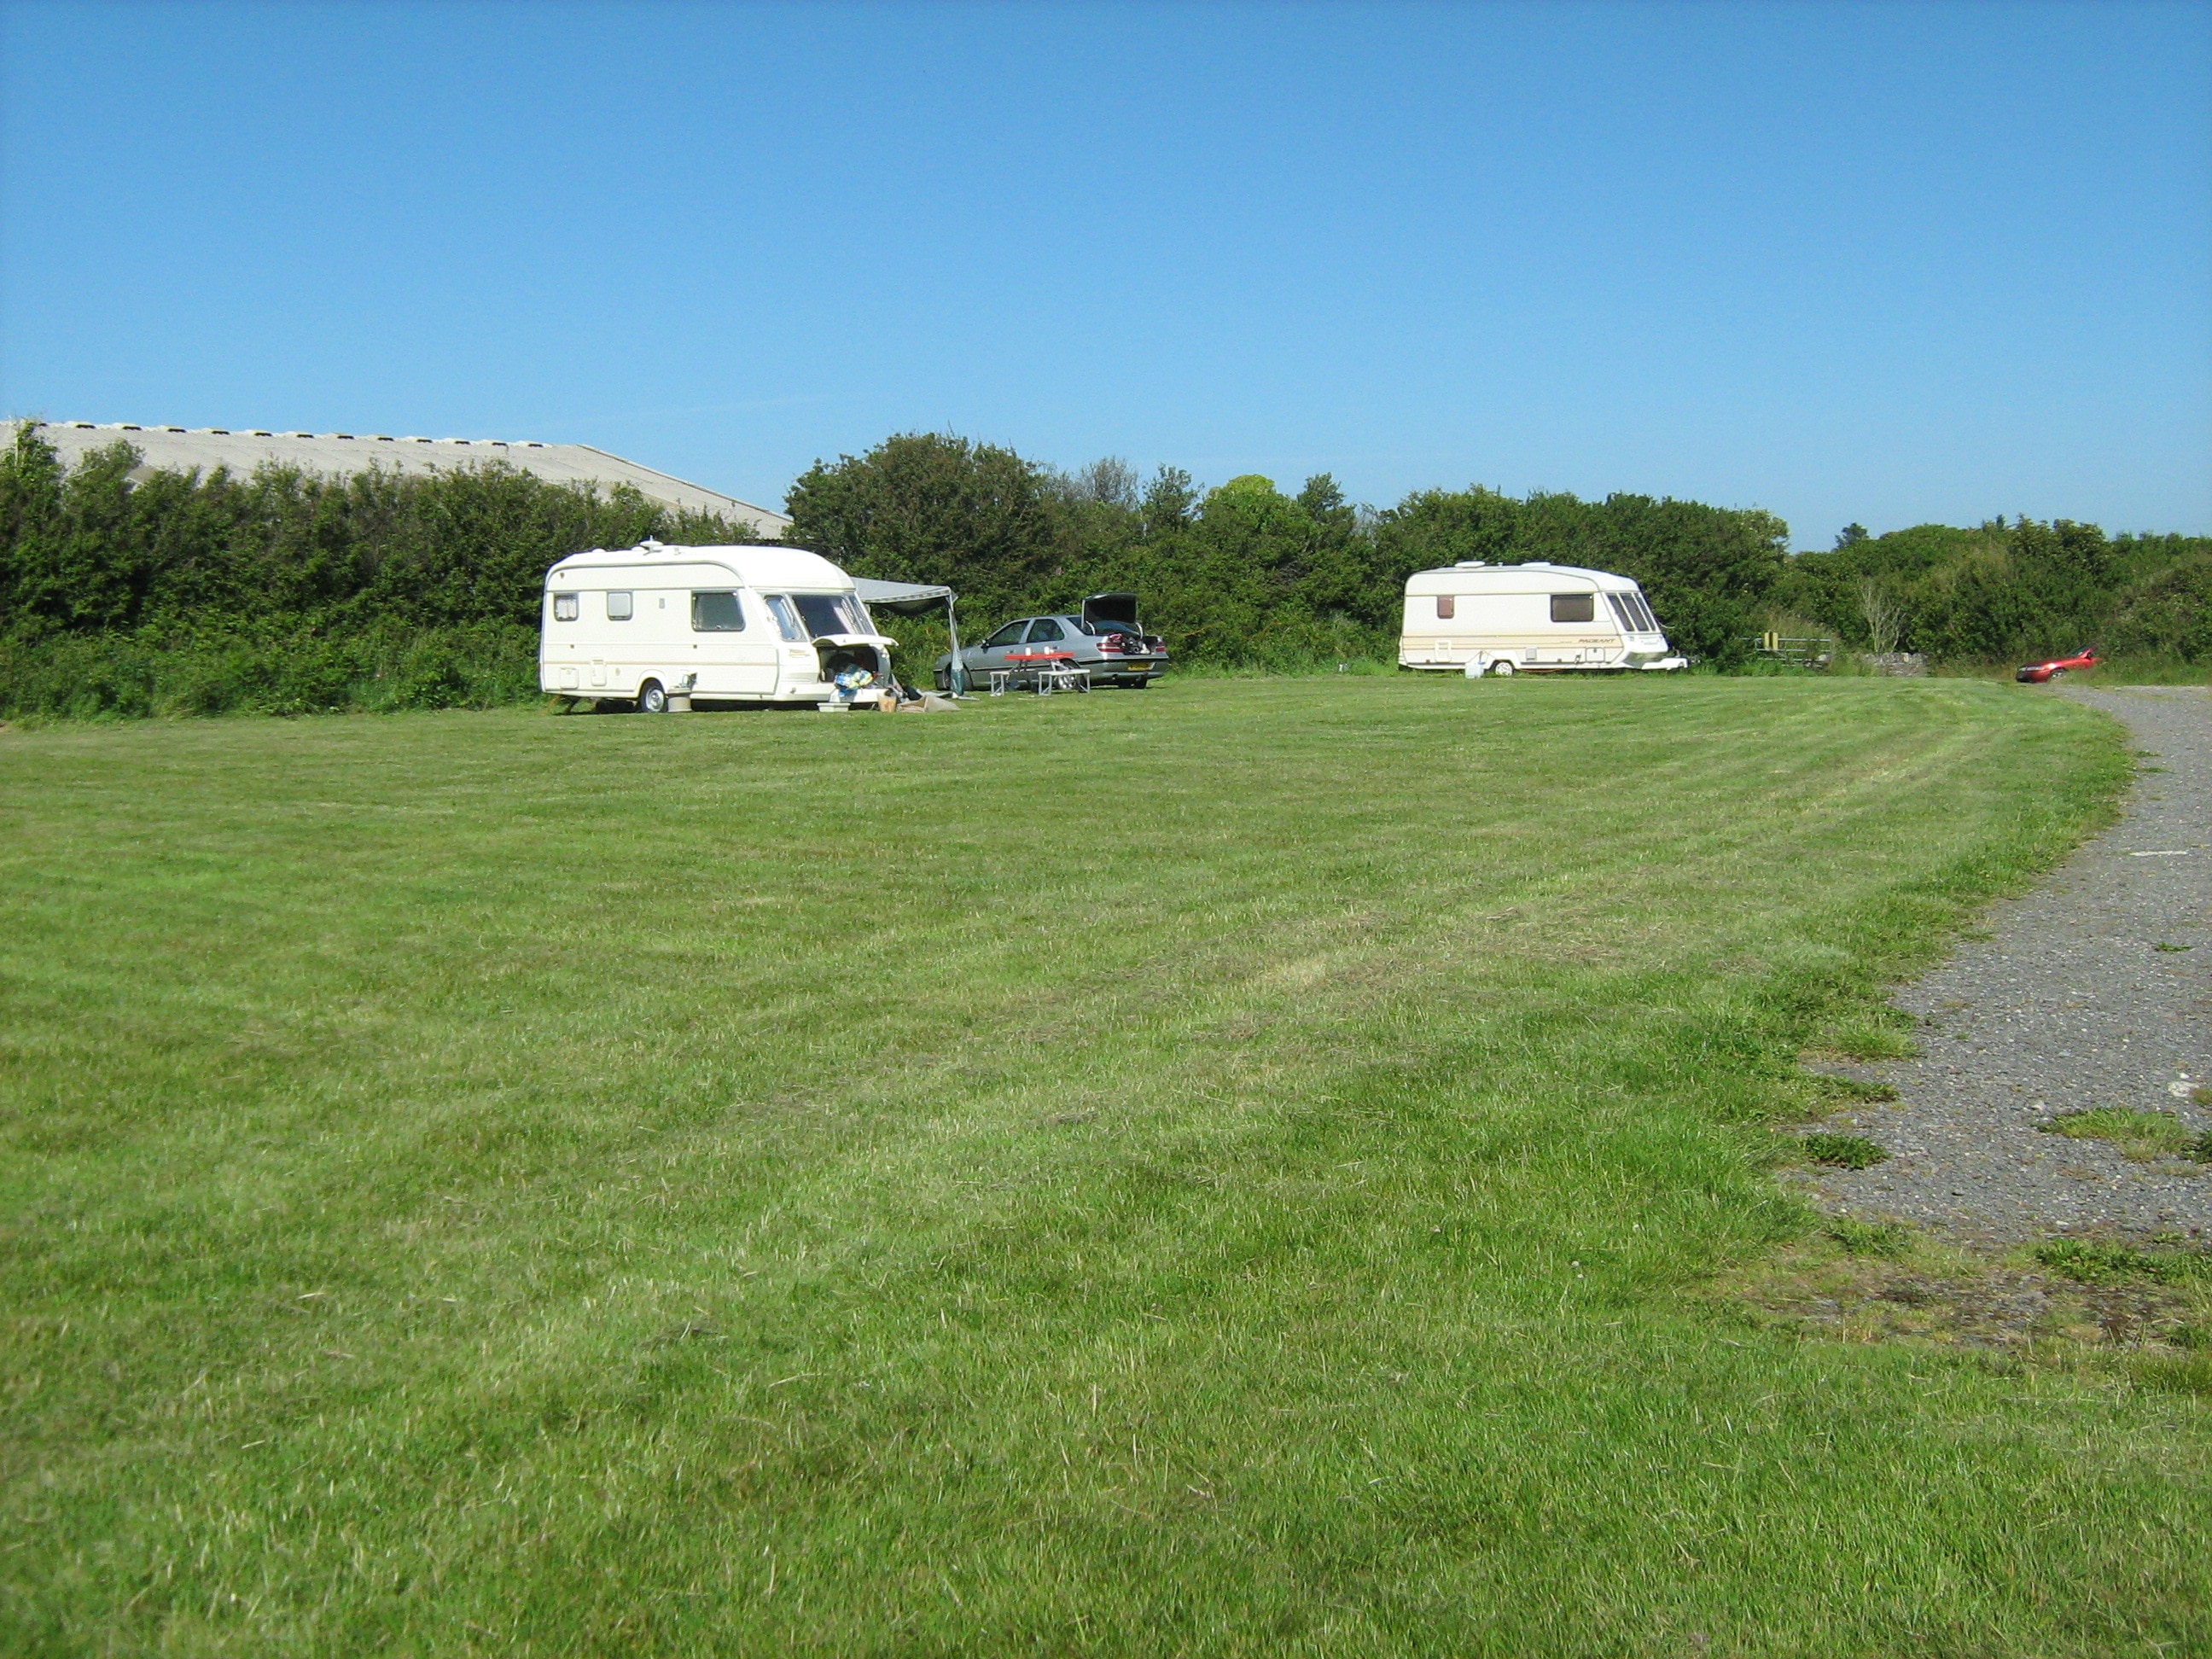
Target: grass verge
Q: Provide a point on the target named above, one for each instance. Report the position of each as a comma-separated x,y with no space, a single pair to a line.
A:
1222,1170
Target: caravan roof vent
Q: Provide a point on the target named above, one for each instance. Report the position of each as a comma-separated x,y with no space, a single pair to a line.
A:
1472,564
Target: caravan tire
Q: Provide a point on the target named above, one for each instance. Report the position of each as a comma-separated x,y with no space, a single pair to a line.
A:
651,699
1504,671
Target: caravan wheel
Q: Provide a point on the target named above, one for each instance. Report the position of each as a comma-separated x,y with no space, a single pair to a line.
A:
1503,669
651,699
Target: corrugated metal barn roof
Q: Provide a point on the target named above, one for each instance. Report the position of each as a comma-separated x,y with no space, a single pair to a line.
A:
173,449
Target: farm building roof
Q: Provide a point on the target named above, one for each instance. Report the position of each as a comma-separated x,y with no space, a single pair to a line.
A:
175,449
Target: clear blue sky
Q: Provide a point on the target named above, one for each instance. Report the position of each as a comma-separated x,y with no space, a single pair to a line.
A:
1889,262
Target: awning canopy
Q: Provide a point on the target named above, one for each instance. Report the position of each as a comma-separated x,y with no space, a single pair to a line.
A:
901,596
912,597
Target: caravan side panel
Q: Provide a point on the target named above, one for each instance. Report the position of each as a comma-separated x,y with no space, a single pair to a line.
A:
1455,622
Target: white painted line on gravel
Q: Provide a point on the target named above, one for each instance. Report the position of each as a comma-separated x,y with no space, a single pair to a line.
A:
2178,853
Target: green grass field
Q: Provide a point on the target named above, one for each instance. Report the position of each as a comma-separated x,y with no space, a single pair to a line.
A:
1240,1169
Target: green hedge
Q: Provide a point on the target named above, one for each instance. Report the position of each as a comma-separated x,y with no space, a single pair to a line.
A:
1247,574
2012,592
124,592
84,676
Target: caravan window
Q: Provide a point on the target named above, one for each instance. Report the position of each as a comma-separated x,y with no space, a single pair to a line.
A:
1574,607
1447,606
619,608
786,616
564,607
717,613
1624,612
832,613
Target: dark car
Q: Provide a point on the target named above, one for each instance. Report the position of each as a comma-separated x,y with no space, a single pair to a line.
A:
2058,667
1103,638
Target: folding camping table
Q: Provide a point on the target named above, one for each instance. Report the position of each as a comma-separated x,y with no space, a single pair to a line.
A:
1048,671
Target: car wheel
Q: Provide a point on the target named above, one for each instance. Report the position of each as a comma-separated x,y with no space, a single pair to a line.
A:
943,679
1140,683
2056,674
651,699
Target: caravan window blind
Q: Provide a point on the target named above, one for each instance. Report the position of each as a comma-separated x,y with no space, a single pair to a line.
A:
1574,607
716,613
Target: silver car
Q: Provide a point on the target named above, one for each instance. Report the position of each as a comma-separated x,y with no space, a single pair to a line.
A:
1103,638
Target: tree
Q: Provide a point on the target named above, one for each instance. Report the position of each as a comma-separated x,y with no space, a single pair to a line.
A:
1884,617
1109,481
928,507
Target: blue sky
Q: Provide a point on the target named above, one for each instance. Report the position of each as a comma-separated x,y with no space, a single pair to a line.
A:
1888,263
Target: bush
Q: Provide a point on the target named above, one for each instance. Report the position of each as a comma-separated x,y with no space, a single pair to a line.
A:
286,593
2011,594
89,676
291,593
2170,614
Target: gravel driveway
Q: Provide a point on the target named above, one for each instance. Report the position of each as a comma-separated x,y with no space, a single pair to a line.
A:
2070,1003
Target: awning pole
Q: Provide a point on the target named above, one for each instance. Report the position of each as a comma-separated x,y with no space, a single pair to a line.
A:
957,677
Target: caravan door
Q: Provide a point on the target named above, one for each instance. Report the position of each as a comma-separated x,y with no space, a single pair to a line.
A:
733,643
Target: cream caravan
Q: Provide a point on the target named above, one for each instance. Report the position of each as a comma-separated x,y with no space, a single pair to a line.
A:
713,625
1478,618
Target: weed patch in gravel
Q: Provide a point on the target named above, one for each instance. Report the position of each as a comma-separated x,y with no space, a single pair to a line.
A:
1869,1283
1879,1238
2096,1262
1841,1152
2141,1135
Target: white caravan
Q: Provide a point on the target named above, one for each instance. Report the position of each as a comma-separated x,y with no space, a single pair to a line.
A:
1477,618
714,624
